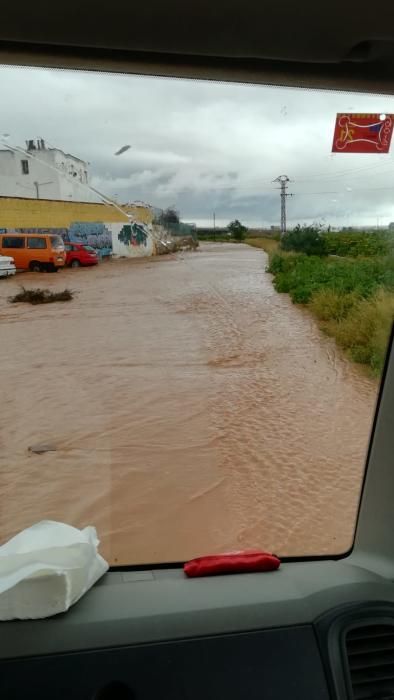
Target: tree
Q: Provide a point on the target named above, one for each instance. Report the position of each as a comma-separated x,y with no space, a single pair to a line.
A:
305,239
237,230
169,216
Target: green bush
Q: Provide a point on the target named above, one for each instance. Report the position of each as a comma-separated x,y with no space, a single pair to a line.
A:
353,297
301,275
313,240
305,239
279,263
359,243
237,230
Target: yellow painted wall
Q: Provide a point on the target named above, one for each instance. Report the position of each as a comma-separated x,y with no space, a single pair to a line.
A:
17,212
140,213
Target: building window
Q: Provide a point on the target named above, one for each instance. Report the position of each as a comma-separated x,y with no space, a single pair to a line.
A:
25,167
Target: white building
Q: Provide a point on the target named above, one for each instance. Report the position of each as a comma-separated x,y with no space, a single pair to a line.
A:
44,173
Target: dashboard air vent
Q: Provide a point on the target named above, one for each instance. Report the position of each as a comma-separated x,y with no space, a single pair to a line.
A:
370,653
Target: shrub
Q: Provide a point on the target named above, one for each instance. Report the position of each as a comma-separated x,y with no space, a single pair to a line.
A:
366,329
167,216
237,230
328,304
302,275
281,262
353,297
305,239
358,243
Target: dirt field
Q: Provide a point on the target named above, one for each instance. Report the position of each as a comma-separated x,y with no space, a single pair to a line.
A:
192,410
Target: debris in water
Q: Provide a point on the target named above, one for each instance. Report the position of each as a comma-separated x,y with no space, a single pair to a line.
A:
42,448
40,296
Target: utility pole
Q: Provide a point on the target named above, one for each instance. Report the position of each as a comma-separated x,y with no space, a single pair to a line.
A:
283,180
214,220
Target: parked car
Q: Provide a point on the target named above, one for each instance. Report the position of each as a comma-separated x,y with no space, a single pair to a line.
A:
7,266
37,252
80,254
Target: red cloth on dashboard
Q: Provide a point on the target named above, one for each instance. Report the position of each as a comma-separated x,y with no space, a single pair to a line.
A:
231,563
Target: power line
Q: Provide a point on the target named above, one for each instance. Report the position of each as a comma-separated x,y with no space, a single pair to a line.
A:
258,191
353,189
339,173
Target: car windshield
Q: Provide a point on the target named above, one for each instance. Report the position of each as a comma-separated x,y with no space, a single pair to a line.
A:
208,382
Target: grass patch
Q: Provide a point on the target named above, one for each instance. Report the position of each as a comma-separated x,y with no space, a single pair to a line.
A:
328,304
365,331
270,245
302,276
314,240
40,296
353,298
359,243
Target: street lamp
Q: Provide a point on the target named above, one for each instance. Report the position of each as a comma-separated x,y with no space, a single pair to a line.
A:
37,185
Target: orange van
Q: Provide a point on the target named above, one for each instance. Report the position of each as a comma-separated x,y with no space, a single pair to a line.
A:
37,252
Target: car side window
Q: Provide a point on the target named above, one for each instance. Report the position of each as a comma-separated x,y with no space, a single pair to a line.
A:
36,243
68,247
13,242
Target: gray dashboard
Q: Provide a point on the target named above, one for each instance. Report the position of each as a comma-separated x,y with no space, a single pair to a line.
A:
160,605
245,665
148,634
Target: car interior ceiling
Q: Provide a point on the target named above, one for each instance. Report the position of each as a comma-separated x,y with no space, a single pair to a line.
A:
152,633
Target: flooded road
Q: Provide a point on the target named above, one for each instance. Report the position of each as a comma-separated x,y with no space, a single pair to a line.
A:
193,410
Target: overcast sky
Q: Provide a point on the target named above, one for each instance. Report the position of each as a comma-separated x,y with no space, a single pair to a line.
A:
205,147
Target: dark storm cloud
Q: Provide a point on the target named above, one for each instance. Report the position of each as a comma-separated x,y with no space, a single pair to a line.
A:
204,147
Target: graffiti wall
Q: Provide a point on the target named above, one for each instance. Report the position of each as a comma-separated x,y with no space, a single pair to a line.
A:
129,240
132,240
96,234
106,228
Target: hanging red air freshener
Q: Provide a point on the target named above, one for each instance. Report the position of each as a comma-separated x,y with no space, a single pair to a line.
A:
362,133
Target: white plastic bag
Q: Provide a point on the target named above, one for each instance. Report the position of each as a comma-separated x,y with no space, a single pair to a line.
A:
46,568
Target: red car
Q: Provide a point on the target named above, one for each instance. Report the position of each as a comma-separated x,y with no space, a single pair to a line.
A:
78,254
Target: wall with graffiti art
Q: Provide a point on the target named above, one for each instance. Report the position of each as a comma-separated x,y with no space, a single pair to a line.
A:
108,229
96,234
124,231
129,240
132,240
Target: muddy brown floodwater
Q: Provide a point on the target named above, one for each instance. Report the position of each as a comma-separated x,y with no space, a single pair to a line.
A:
193,410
